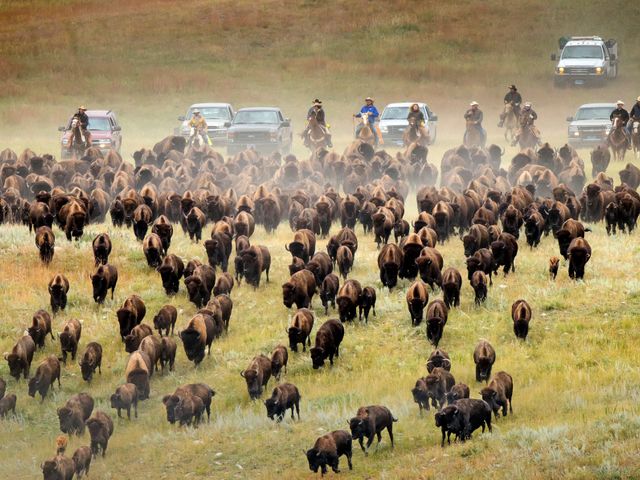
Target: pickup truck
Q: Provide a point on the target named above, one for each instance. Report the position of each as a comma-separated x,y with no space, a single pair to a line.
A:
263,128
590,125
584,60
218,117
393,121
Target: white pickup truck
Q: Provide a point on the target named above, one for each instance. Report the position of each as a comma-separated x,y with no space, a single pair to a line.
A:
584,60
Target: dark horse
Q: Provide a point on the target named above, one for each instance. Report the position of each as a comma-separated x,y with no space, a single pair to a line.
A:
617,139
80,139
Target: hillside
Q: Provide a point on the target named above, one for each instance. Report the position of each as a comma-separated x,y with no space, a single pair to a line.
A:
148,60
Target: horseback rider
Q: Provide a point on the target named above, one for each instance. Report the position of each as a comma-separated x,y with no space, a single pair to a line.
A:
513,98
623,115
199,124
372,114
634,115
316,111
526,119
82,117
475,116
416,115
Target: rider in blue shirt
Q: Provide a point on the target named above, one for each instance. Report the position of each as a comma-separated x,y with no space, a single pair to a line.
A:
373,115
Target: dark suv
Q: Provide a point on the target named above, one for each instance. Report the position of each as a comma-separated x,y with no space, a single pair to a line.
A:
106,132
263,128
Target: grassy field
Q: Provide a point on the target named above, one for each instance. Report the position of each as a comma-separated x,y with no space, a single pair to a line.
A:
576,379
577,383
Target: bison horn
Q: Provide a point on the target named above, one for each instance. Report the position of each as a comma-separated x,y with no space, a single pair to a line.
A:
286,247
6,355
242,373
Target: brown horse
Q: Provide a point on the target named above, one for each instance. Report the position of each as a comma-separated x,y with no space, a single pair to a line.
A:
365,133
79,139
635,138
473,135
528,137
617,140
315,136
510,122
415,134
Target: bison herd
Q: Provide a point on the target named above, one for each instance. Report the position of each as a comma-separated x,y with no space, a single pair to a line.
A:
170,188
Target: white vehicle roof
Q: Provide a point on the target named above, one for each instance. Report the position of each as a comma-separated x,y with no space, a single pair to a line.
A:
597,105
405,104
584,42
201,105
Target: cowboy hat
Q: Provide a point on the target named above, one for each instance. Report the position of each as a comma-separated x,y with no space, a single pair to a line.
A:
317,102
368,99
619,102
474,104
196,111
527,104
512,87
82,107
638,99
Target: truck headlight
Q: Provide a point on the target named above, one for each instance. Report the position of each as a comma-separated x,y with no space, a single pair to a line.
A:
274,136
560,70
576,133
384,129
598,70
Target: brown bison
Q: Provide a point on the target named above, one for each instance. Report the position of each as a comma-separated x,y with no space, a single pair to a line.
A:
197,336
438,383
521,315
101,249
328,339
126,396
504,251
82,461
554,263
91,359
168,353
255,260
303,245
152,249
218,250
417,299
328,291
348,300
437,313
58,468
100,428
498,393
195,221
104,279
171,271
283,398
389,263
367,302
58,289
73,414
279,360
451,285
165,319
138,372
484,356
40,327
131,314
328,449
47,373
300,329
481,260
46,242
299,289
201,390
479,285
579,253
200,284
69,338
369,422
257,375
430,264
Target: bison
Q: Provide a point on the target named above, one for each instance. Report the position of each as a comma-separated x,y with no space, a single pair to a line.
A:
126,396
100,428
58,289
91,359
328,339
484,356
300,329
370,421
299,289
498,393
437,313
285,396
105,279
47,373
521,315
328,449
257,375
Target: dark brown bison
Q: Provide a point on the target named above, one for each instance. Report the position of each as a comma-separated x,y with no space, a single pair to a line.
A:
430,264
521,315
481,260
367,302
479,285
369,422
451,285
579,253
438,383
104,279
142,218
504,251
284,397
512,221
328,339
100,428
91,359
257,375
200,284
534,226
152,249
570,229
163,228
58,468
300,329
138,333
195,221
328,449
299,289
328,291
383,221
303,245
498,393
417,299
197,336
47,373
165,319
255,260
279,360
224,284
126,396
389,263
475,239
437,313
74,413
69,338
138,372
438,358
462,418
171,271
458,391
46,242
131,314
484,356
40,327
101,248
201,390
348,300
82,461
168,348
58,289
218,250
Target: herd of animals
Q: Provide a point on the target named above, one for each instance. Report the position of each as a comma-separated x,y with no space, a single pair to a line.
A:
540,192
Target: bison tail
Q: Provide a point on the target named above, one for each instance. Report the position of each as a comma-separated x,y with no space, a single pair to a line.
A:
394,418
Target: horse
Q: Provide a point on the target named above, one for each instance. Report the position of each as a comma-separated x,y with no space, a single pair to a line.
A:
473,135
80,139
415,133
528,137
635,138
315,136
510,122
617,140
365,133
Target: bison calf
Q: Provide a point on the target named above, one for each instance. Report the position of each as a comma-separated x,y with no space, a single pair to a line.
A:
328,291
82,461
498,393
7,404
279,359
166,319
125,397
283,398
46,375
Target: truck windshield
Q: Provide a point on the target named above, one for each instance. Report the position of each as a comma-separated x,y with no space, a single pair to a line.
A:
216,113
398,113
594,113
256,116
582,51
